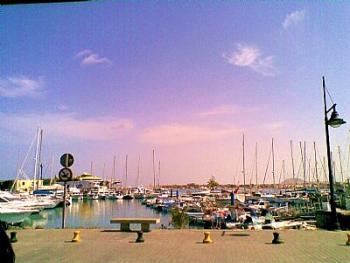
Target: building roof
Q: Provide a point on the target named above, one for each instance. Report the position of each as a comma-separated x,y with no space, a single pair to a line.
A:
88,177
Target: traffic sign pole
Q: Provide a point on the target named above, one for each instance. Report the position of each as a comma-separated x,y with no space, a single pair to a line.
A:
64,206
65,174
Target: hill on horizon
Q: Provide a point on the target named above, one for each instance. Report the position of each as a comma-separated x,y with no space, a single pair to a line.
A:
291,181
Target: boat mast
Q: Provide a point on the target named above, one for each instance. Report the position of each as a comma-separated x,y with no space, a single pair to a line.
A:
138,172
273,165
347,165
250,181
267,168
281,175
20,170
316,172
103,171
113,172
243,166
158,174
52,172
324,170
256,166
291,156
37,158
304,164
309,171
334,171
334,168
341,167
284,174
154,174
126,171
17,163
91,168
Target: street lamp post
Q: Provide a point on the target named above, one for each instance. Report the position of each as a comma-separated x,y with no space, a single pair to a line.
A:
334,121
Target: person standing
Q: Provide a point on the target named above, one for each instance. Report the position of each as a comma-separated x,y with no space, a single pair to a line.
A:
6,252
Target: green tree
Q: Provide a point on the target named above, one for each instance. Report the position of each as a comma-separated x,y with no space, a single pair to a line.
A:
179,217
212,183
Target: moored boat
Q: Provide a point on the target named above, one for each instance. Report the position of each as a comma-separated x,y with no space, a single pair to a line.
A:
15,215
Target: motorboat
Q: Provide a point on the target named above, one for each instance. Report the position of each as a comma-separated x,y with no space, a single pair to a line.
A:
128,197
15,215
75,193
29,201
92,196
119,196
201,193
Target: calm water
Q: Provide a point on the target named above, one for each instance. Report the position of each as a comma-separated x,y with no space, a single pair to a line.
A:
95,214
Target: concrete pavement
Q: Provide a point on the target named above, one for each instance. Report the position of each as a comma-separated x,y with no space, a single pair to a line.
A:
97,245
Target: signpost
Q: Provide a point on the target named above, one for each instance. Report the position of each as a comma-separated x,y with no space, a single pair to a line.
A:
67,160
65,175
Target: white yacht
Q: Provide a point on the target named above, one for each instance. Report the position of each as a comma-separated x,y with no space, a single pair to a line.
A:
75,193
28,201
12,215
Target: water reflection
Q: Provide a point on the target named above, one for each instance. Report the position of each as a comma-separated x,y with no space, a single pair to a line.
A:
94,214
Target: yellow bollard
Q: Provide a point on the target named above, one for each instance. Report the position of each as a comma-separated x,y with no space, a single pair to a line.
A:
76,237
207,238
348,242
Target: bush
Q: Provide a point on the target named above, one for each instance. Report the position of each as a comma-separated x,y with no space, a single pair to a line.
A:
179,218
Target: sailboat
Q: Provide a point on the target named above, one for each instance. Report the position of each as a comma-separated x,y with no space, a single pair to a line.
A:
128,195
22,182
140,191
241,197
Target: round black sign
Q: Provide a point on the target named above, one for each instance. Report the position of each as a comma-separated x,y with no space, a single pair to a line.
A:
67,160
65,174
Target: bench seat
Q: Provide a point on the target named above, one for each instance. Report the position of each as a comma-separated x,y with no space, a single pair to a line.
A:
125,223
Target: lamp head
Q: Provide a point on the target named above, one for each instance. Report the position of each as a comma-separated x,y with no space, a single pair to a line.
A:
334,121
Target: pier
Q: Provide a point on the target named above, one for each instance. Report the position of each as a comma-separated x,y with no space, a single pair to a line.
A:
98,245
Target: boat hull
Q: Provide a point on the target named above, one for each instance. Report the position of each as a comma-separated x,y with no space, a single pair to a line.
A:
14,217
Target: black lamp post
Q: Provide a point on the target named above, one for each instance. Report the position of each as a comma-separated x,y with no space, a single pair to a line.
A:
334,121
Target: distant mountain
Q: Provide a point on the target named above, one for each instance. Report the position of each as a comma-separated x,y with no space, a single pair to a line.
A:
291,181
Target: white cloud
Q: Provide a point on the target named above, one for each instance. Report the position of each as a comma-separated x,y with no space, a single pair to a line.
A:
293,18
95,59
89,58
226,110
83,53
251,57
67,125
172,134
245,56
21,86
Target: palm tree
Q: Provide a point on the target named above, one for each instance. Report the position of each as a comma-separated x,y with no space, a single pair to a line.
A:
212,183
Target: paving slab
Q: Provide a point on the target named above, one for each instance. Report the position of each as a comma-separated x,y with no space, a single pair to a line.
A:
98,245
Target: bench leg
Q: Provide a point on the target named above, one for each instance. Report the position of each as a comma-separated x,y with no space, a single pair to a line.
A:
125,227
145,227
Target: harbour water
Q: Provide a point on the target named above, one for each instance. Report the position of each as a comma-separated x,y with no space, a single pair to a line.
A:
95,214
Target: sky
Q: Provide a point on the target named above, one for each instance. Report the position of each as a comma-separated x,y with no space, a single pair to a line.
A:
183,78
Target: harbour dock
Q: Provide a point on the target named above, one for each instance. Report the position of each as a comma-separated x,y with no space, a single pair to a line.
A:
98,245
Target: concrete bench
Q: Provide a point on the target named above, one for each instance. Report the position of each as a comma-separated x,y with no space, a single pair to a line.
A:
125,223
